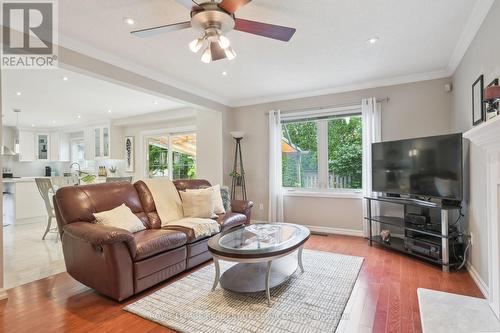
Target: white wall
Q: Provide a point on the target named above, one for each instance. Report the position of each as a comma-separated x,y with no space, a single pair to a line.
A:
415,109
137,131
209,149
208,128
482,57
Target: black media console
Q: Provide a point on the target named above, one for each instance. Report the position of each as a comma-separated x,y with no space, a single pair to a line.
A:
418,228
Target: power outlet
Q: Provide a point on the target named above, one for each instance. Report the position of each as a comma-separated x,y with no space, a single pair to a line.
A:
261,206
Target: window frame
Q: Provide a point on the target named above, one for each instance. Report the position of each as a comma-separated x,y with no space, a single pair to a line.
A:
169,132
322,144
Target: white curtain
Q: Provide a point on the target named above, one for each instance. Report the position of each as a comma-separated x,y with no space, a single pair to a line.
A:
372,132
275,185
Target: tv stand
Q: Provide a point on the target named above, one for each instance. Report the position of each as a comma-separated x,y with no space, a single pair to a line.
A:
431,242
410,199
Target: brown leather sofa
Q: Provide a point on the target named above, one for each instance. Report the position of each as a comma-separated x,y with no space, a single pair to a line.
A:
118,263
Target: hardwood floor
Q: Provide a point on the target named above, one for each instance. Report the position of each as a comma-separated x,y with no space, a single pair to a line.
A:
384,299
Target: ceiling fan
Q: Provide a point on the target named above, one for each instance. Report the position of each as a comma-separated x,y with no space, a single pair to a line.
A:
214,19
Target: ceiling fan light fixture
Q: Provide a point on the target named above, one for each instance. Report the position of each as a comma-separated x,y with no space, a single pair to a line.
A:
207,56
223,41
230,54
196,45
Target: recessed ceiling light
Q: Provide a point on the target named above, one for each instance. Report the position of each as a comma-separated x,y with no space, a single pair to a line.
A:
18,93
53,121
224,73
129,20
155,102
32,125
65,78
373,40
79,117
109,111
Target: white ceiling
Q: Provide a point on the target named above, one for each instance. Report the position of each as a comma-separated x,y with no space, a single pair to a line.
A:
329,49
46,97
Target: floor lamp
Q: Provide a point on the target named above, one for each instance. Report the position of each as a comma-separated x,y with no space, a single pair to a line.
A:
238,173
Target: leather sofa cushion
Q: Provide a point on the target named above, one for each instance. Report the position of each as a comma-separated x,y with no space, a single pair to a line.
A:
153,241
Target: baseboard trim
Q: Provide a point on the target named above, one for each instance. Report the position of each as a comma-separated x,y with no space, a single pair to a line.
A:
3,294
335,231
326,230
477,279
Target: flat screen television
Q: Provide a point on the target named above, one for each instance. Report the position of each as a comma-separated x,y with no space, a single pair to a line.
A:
425,167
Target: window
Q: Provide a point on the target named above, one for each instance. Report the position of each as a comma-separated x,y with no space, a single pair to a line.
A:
77,150
78,155
184,156
299,146
157,156
172,156
322,153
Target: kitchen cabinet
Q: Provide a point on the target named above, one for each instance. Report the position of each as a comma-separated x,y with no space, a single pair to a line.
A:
42,149
59,147
97,142
46,146
26,146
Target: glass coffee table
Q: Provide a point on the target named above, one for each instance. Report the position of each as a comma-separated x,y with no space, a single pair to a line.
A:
263,253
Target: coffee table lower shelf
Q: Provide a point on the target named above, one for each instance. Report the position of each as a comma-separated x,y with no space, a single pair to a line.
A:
257,275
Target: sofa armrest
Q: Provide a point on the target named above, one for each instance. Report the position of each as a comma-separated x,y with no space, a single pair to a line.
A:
242,207
100,257
98,234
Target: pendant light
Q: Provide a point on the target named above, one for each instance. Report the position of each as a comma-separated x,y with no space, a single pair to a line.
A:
16,140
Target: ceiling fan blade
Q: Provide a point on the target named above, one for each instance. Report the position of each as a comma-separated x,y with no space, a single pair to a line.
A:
189,4
232,6
264,29
148,32
217,52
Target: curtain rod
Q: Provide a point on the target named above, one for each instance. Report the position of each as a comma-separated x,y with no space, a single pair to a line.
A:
326,107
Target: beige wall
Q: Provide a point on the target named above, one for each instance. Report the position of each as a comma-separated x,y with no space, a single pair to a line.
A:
482,57
415,109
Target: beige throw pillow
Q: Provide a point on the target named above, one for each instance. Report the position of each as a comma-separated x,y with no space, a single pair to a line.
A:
120,217
198,204
216,197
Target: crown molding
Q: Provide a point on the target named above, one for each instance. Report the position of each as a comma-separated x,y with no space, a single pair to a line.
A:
474,22
341,89
101,55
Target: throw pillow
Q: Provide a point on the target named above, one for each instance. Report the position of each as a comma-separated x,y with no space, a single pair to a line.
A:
217,198
226,198
198,204
120,217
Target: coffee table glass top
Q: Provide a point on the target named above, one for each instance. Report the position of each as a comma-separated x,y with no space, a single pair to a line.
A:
261,237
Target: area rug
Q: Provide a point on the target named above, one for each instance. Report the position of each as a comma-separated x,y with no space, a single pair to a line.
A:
442,312
312,301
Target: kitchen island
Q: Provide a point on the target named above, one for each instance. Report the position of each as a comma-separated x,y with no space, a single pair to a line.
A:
21,201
